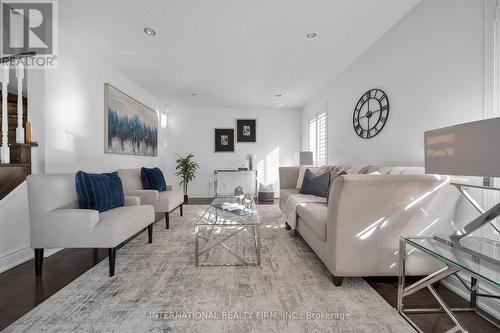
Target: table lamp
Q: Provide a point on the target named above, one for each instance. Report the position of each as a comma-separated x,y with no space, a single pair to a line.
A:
469,149
305,158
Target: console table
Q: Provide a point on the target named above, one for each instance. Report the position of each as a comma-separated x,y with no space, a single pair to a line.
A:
238,177
474,257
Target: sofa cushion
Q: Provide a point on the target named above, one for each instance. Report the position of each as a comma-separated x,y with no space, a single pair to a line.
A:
152,179
119,224
316,170
285,193
356,169
300,179
315,184
314,215
100,192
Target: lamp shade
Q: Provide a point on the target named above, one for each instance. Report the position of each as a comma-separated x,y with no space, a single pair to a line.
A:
306,158
469,149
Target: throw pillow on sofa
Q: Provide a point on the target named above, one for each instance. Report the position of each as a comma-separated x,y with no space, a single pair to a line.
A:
315,170
152,179
315,184
100,192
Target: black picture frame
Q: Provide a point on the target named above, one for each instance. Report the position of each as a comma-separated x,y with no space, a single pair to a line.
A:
246,130
224,140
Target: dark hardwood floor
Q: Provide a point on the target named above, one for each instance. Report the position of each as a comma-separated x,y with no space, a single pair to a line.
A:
20,291
387,287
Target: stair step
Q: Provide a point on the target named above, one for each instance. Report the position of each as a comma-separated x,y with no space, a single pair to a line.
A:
14,165
11,176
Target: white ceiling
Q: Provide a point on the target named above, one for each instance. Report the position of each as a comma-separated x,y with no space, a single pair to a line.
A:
232,53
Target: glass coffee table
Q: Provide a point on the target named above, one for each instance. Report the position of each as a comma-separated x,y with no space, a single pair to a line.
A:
223,238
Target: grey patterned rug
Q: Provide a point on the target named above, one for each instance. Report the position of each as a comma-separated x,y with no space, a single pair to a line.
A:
157,288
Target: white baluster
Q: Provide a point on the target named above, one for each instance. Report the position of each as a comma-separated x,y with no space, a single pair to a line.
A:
5,150
20,78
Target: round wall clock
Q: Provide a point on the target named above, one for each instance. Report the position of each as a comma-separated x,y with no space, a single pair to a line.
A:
371,113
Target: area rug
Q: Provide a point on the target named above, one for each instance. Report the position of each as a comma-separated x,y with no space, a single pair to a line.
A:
157,288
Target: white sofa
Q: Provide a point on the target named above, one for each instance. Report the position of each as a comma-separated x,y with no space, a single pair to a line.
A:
163,202
357,232
57,222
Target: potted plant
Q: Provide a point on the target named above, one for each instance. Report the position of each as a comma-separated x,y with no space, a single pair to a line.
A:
186,169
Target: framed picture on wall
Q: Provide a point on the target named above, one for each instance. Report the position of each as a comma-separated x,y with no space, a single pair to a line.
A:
246,130
130,127
224,140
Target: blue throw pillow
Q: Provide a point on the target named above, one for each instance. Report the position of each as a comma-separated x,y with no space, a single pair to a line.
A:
317,185
100,192
152,179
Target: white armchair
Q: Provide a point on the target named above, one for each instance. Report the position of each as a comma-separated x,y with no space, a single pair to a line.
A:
163,202
56,221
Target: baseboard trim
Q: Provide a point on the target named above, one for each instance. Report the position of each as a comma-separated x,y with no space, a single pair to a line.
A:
20,256
488,305
15,258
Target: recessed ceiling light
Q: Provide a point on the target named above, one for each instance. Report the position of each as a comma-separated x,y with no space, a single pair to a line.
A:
193,94
311,35
278,95
149,31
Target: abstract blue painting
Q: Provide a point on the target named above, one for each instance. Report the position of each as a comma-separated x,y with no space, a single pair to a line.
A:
130,127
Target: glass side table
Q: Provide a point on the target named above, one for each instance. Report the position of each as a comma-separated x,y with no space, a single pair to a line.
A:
474,257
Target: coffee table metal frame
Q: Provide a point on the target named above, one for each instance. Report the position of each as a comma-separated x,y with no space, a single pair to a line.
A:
214,218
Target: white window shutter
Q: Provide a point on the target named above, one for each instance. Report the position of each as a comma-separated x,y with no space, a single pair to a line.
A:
318,137
312,137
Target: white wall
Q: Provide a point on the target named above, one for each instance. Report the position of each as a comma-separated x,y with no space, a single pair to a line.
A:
69,99
191,130
14,229
430,64
74,112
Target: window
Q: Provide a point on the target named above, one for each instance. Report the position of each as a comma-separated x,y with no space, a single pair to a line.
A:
318,137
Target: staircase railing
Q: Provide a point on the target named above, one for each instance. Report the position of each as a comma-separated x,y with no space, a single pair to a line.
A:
15,156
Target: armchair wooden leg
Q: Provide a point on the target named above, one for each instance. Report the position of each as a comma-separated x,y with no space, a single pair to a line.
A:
181,206
150,233
167,220
38,262
112,259
287,226
337,281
